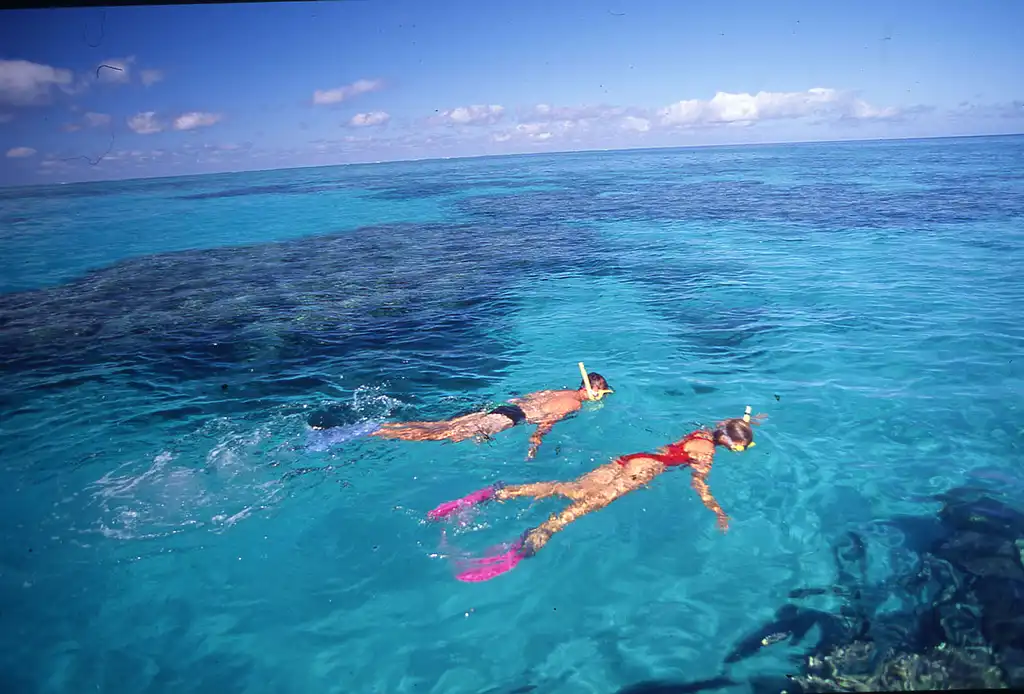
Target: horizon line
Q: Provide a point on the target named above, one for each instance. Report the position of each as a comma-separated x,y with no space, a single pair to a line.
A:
525,154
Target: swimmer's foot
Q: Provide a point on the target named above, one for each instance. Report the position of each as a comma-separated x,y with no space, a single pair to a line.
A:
486,568
478,497
323,439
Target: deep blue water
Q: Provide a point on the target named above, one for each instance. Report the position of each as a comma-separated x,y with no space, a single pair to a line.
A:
162,343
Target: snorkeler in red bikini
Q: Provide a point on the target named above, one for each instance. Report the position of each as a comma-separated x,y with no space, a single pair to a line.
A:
600,487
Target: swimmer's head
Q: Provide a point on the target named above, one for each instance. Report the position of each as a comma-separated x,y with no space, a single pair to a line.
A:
324,419
735,434
598,386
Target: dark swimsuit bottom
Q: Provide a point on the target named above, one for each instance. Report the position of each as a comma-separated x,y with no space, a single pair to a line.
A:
675,453
513,412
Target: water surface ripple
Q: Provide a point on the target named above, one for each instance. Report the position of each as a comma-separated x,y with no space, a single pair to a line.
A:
162,344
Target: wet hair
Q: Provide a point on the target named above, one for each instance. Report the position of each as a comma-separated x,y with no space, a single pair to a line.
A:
324,419
738,431
597,382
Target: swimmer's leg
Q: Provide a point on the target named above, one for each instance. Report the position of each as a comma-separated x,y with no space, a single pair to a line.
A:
435,425
478,425
537,490
412,431
501,492
532,540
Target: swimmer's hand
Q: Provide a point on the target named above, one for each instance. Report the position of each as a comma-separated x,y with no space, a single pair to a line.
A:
723,521
534,540
542,429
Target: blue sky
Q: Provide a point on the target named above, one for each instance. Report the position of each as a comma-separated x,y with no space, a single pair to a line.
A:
233,87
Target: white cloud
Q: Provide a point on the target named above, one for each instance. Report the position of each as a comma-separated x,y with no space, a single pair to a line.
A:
361,120
120,71
151,77
636,124
1014,109
29,84
572,120
145,123
543,130
115,70
92,120
727,108
196,119
576,113
95,120
20,153
545,121
531,128
474,115
861,110
966,109
339,94
137,156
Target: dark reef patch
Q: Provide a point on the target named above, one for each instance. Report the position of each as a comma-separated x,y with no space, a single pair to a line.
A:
963,621
818,204
423,300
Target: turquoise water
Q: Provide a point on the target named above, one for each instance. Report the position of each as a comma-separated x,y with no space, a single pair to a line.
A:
164,341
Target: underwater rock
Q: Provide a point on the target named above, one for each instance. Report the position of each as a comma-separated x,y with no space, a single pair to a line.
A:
859,667
982,555
792,624
657,687
966,629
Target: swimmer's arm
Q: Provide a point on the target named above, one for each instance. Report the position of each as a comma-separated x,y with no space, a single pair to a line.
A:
699,481
542,430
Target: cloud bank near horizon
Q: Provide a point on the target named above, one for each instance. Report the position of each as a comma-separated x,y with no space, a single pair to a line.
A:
459,130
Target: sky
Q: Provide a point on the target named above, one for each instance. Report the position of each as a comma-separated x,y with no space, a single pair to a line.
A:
133,92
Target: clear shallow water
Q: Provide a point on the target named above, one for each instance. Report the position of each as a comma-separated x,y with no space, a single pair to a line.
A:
163,342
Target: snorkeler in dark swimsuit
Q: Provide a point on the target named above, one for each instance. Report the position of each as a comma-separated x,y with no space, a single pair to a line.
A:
543,408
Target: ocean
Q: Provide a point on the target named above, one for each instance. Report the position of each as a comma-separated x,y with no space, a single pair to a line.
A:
163,343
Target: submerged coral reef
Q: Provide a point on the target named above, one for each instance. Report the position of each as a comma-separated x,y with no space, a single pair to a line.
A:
961,624
859,667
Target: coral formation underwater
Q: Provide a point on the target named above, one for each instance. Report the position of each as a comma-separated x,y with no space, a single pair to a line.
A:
959,623
961,618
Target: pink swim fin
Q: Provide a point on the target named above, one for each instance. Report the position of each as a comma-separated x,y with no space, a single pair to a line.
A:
478,497
486,568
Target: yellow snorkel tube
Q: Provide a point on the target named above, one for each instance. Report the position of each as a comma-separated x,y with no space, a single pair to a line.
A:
739,447
592,394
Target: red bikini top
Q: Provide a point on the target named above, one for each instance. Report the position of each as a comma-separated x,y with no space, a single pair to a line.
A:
675,453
